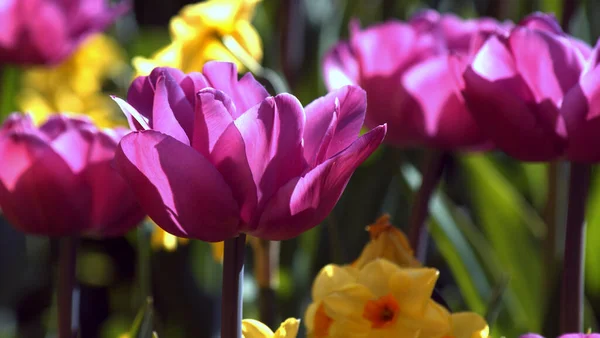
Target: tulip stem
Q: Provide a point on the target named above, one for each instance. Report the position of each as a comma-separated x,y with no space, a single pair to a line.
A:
231,297
67,309
433,168
266,259
571,309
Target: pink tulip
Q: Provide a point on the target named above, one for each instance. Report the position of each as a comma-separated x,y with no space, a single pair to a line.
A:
58,180
515,88
409,72
221,157
48,31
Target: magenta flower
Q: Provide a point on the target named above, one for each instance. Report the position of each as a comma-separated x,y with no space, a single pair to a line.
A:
58,180
515,88
409,72
221,157
48,31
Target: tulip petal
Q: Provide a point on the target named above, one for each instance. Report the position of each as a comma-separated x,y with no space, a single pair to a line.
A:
448,123
319,114
245,93
499,101
136,120
340,67
549,64
109,216
213,114
390,48
305,201
181,191
581,110
172,112
48,23
191,84
38,177
272,133
219,140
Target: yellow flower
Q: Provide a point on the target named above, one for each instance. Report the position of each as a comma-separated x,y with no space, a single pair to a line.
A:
75,86
198,34
468,325
162,240
387,242
379,300
254,329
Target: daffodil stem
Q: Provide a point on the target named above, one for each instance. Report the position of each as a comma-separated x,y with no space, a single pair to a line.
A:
266,255
571,309
433,168
233,277
66,283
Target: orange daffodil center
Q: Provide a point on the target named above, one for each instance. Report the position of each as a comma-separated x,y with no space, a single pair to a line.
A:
382,312
384,293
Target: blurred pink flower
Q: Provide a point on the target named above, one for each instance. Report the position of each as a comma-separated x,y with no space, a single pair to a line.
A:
48,31
533,92
221,157
58,180
409,72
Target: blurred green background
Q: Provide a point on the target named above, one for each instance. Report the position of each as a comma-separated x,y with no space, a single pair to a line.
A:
491,241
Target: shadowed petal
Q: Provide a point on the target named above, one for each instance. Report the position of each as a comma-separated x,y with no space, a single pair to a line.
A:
39,178
213,114
305,201
172,112
181,191
272,133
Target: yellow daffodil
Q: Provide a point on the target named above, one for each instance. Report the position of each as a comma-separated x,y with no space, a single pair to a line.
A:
387,242
75,86
254,329
201,32
379,300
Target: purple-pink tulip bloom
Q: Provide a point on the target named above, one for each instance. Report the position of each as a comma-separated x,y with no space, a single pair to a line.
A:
221,157
533,92
409,72
58,180
48,31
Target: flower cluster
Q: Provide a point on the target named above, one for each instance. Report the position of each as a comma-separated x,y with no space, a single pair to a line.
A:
380,297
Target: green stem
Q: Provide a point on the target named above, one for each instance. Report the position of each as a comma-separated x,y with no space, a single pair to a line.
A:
144,233
571,309
433,168
66,282
231,297
266,264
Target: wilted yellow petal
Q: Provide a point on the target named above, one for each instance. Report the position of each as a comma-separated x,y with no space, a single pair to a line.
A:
387,242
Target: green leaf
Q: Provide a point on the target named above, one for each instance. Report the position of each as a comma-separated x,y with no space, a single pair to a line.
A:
454,247
511,226
592,249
